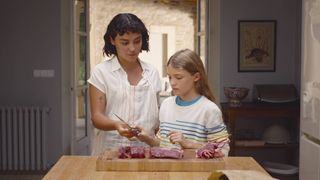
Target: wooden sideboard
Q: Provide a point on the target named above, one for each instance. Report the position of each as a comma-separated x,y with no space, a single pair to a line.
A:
261,111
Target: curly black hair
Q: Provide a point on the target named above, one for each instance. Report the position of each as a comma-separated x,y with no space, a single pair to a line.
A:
121,24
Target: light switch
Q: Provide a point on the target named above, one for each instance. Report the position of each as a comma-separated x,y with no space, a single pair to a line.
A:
50,73
36,73
43,73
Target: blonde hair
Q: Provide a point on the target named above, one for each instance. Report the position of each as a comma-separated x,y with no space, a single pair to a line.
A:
190,61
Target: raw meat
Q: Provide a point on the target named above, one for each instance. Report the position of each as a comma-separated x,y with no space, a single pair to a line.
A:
135,131
137,152
131,152
208,150
124,152
158,152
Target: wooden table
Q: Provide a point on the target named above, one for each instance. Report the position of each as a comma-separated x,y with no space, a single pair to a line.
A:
84,167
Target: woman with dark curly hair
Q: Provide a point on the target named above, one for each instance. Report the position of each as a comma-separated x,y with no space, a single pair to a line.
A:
124,89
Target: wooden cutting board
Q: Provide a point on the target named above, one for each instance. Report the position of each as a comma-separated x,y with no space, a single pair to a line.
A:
189,163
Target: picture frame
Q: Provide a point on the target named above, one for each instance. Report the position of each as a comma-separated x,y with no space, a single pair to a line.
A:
257,45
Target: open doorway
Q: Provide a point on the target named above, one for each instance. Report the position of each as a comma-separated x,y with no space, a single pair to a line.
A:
173,25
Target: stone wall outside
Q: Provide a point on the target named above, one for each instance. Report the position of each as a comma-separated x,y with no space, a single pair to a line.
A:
151,12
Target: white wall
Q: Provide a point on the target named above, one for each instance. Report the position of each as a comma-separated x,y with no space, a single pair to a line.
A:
30,38
287,14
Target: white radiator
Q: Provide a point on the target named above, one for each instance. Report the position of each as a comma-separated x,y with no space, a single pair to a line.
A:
23,138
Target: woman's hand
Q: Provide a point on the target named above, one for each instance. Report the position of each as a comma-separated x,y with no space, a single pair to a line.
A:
124,130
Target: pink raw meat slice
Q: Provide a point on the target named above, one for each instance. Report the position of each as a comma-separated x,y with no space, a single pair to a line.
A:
137,152
208,150
158,152
124,152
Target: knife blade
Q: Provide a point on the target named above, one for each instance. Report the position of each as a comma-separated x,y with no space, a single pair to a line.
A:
122,120
134,130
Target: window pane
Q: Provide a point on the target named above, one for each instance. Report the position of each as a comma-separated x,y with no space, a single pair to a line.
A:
81,15
201,40
202,14
202,48
81,65
81,125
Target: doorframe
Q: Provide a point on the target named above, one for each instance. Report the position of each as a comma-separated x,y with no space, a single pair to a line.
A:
66,57
68,106
213,47
77,146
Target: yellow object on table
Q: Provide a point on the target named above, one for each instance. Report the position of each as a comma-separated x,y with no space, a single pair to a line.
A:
239,175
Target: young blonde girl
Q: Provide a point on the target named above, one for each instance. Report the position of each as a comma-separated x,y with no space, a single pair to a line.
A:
190,119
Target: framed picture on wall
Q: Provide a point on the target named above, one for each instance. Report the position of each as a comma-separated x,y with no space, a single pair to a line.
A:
257,46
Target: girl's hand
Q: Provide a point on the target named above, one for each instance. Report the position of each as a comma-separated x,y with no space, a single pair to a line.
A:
144,137
176,137
218,153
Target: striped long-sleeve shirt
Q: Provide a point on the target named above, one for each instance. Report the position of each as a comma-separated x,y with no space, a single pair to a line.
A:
199,121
